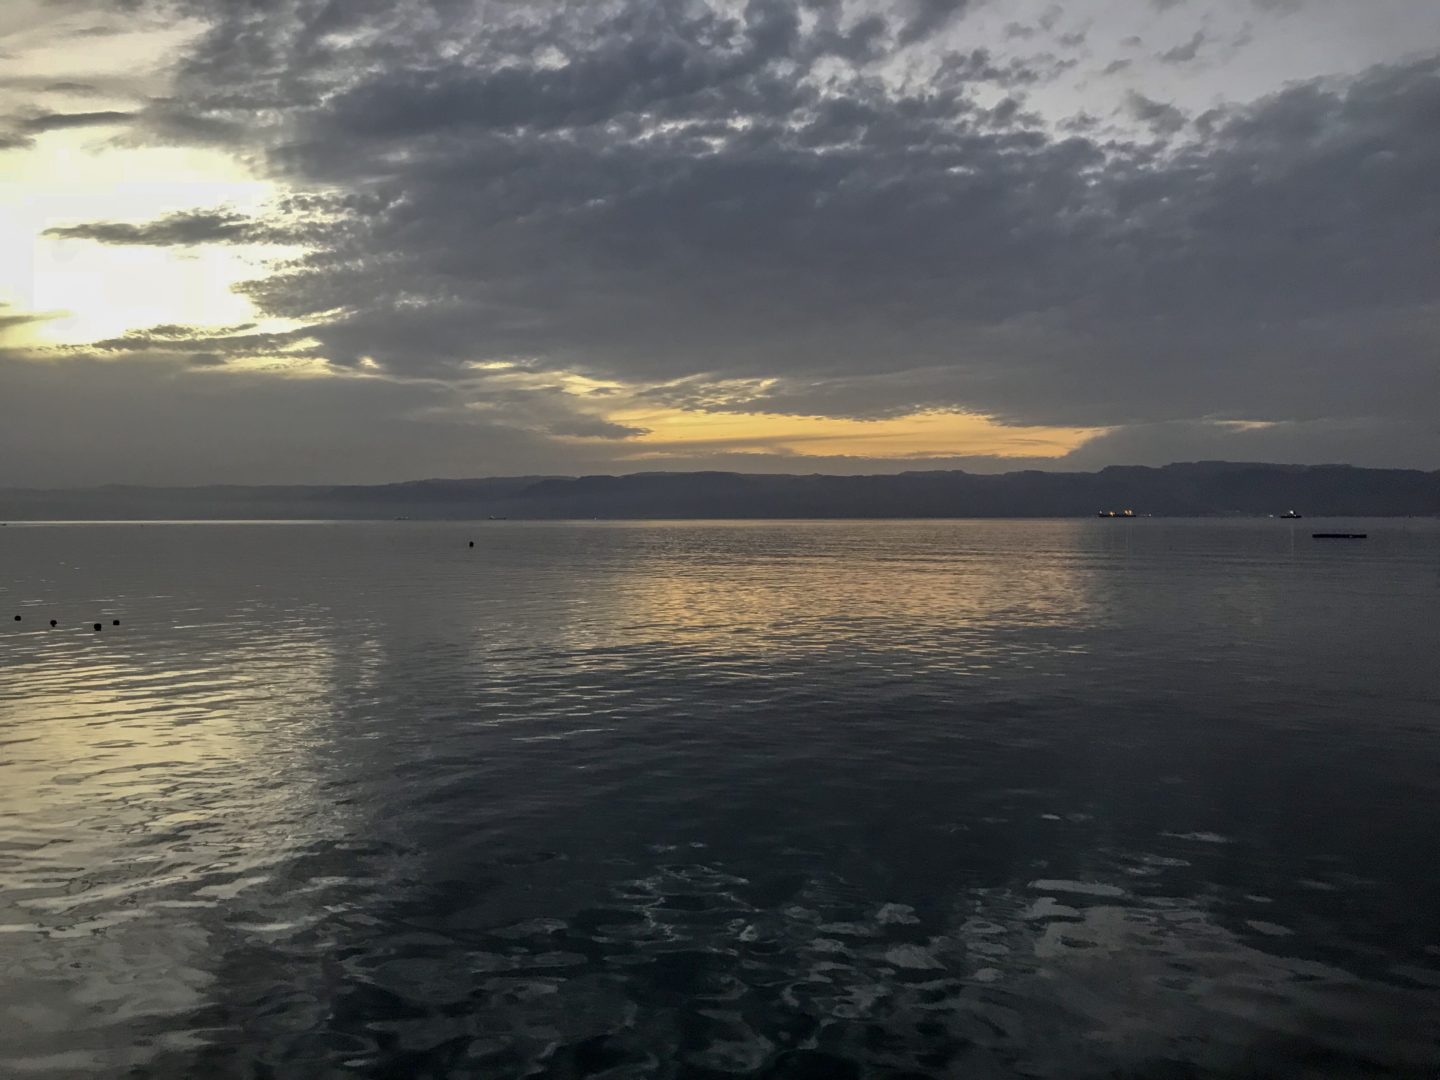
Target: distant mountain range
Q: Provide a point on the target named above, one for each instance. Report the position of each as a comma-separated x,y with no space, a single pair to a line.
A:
1205,488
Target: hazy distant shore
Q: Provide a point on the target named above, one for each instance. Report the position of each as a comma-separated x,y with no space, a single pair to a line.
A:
1180,490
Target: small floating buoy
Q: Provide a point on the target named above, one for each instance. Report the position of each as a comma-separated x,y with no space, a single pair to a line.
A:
97,627
114,622
472,544
53,622
17,617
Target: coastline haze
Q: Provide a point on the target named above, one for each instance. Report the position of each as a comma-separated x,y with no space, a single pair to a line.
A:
1193,489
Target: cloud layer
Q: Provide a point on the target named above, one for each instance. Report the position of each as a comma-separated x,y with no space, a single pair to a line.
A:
823,209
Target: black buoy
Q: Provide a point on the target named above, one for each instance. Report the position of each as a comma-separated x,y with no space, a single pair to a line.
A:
53,623
17,617
114,622
97,626
472,544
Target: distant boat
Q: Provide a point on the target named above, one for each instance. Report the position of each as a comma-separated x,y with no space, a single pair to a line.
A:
1291,515
1338,536
1116,514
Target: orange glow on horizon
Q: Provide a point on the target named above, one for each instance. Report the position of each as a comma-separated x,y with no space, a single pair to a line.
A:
918,435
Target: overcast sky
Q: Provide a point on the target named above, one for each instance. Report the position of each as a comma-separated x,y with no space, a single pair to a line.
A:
370,240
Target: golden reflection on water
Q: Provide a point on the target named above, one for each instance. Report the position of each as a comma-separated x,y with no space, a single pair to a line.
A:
147,779
155,722
763,589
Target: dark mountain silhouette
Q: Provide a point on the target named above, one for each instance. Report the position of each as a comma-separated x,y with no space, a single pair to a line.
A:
1196,488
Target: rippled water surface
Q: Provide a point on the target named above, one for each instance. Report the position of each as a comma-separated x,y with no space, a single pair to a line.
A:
972,799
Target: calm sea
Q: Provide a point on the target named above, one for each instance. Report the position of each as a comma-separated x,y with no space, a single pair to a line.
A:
978,799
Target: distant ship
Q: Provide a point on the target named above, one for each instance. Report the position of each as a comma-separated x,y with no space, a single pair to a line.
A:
1116,513
1292,515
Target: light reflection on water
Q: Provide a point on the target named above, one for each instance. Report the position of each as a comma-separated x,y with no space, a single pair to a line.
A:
970,798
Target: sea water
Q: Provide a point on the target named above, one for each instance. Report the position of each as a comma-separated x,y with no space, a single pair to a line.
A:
1088,798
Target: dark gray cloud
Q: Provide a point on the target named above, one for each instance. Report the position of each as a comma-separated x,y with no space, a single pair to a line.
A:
217,345
70,86
64,121
1159,115
192,227
1367,441
37,84
854,211
11,320
119,414
177,229
1187,51
71,421
925,17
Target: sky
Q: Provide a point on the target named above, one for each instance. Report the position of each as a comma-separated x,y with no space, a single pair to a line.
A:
349,241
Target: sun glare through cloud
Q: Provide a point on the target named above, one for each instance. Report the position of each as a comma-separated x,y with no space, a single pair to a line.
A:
88,291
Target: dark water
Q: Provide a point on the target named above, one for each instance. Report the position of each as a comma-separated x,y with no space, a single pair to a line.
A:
972,799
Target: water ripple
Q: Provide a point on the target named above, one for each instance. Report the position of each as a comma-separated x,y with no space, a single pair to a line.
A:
686,800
